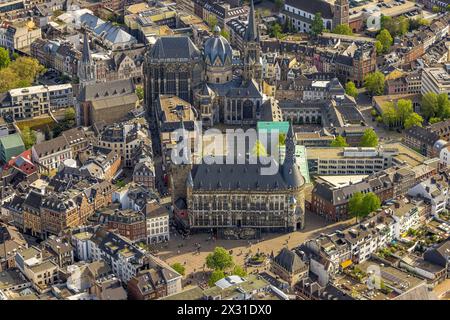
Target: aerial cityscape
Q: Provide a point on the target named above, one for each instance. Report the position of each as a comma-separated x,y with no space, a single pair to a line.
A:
224,150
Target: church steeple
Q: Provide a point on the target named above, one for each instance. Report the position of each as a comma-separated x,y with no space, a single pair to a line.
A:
86,54
252,33
340,12
86,67
252,49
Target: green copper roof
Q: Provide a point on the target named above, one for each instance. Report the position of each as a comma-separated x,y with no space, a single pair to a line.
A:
11,141
281,126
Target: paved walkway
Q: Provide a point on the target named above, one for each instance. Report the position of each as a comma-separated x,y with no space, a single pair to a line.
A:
184,251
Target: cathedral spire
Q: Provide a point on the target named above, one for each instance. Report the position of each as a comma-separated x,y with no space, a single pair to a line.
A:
86,67
251,34
86,54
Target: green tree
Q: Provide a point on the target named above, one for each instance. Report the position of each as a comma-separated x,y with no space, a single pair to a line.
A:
386,21
27,68
339,141
279,4
374,83
390,115
429,105
4,58
239,271
343,29
178,267
443,106
317,24
413,120
397,26
404,109
403,25
140,92
224,33
418,22
385,39
212,22
8,79
371,202
369,138
350,89
361,205
378,47
69,115
434,120
219,259
275,31
355,204
216,275
28,137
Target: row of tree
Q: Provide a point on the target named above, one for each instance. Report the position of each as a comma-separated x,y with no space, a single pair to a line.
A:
401,114
360,205
435,107
369,139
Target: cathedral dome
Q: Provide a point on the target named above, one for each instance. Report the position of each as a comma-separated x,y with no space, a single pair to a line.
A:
217,47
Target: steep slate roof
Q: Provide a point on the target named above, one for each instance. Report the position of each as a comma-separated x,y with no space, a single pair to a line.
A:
103,90
236,177
422,134
33,200
289,260
178,47
249,90
51,146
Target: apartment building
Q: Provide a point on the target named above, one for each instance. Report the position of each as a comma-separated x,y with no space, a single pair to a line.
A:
29,102
127,223
144,174
40,272
65,205
50,154
356,243
433,191
436,79
19,35
123,138
157,219
349,160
